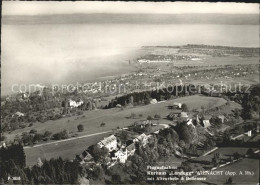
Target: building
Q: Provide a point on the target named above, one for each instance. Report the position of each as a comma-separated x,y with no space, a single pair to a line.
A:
109,142
120,155
142,139
153,101
130,147
184,115
75,104
177,105
19,114
222,118
84,157
206,123
189,122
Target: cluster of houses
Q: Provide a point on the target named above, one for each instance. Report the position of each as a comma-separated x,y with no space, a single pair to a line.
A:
118,152
179,115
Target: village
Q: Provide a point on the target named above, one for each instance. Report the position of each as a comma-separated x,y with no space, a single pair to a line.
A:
163,112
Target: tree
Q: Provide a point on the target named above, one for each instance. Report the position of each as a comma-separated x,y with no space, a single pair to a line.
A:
33,131
184,107
47,134
102,124
149,118
216,159
27,139
116,179
61,135
80,128
157,116
250,152
185,133
229,181
236,156
99,154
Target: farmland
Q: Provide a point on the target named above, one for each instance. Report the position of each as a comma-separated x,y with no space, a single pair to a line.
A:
116,117
246,164
66,149
91,121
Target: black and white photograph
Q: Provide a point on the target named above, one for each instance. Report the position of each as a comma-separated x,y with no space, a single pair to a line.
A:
117,92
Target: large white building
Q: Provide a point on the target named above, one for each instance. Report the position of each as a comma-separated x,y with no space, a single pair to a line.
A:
109,142
120,155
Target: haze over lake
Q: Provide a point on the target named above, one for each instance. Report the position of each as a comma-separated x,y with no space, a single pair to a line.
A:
64,53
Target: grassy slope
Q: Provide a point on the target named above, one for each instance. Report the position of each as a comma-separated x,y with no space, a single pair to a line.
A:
243,165
112,118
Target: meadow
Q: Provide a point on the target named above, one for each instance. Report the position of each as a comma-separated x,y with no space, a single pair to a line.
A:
112,117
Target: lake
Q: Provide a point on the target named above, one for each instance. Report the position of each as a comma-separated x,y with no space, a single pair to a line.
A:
62,53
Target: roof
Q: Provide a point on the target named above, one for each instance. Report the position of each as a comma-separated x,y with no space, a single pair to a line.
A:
130,147
221,116
184,114
141,137
108,140
112,153
206,123
153,101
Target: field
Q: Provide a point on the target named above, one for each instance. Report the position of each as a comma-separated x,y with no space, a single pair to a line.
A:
243,165
92,119
66,149
116,117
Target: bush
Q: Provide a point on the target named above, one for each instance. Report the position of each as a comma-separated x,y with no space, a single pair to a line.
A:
184,107
3,138
47,134
61,135
80,128
157,116
149,118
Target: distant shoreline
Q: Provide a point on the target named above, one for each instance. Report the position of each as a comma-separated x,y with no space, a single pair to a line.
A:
226,19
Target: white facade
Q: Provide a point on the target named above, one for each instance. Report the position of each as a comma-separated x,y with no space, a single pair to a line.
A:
110,143
143,139
153,101
121,156
75,104
177,105
19,114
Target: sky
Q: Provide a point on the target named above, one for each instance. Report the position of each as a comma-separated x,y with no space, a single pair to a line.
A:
55,7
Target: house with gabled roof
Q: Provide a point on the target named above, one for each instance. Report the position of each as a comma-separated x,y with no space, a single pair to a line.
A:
109,142
222,118
142,139
206,123
130,147
84,157
120,155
